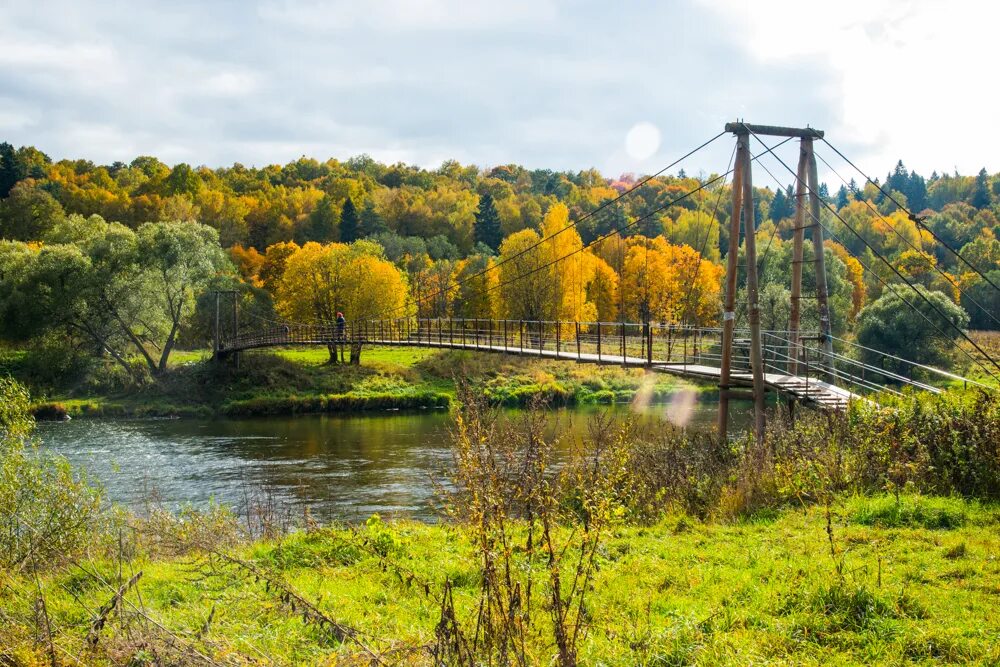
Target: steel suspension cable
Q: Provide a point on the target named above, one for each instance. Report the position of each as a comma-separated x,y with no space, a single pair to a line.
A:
911,245
879,255
572,224
916,219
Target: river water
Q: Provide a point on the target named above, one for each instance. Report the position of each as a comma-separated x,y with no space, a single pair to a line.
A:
344,468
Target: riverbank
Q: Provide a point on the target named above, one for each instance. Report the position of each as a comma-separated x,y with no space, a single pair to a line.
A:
631,546
300,381
914,579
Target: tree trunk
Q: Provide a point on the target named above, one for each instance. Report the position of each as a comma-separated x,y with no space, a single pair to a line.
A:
356,354
332,349
169,345
138,345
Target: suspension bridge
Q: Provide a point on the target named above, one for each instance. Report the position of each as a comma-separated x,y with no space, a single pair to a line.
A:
814,368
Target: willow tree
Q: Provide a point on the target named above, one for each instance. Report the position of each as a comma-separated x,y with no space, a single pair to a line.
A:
127,293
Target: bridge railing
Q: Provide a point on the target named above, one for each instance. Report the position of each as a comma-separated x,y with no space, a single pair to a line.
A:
601,341
615,342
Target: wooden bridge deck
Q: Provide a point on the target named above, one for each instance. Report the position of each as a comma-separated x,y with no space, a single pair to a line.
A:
808,390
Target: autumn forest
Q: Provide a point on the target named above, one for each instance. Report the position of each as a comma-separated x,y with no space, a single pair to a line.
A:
120,258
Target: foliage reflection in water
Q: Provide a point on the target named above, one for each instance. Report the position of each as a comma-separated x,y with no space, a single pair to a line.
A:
343,468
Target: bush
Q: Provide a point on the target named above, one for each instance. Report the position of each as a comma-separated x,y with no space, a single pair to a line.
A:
50,412
890,325
50,512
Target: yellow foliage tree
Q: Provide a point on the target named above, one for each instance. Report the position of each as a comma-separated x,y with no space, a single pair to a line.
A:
669,283
855,275
321,280
602,290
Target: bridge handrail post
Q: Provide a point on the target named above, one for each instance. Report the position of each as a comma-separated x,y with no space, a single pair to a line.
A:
504,335
558,334
622,325
685,334
649,344
489,341
541,338
598,341
577,323
475,323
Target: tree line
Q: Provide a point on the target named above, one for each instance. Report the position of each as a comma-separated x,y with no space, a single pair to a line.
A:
119,259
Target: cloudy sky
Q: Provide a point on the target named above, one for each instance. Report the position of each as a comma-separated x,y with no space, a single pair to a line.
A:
624,87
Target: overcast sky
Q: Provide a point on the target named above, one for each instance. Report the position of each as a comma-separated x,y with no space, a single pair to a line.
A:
624,87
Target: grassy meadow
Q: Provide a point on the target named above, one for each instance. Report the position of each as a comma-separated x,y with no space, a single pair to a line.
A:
300,380
910,581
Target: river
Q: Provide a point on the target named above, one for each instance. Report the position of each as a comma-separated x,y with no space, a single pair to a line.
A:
344,468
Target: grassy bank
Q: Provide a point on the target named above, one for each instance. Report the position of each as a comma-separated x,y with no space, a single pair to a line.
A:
640,545
299,380
913,580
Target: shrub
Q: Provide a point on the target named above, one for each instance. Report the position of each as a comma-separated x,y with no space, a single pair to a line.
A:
49,511
50,412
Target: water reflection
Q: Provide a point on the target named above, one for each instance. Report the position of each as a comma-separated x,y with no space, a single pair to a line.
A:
343,468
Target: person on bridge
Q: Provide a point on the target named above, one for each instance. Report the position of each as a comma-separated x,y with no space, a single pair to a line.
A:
341,323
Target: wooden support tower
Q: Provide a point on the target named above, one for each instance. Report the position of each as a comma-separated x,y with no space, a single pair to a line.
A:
742,190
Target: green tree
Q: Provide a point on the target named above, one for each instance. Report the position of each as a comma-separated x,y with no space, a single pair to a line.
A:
371,222
178,260
889,325
28,213
988,297
322,223
980,197
182,180
486,229
123,292
11,169
349,228
781,207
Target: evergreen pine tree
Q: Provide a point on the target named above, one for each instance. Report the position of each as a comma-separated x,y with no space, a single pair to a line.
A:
11,169
980,191
779,207
348,222
842,199
487,228
916,192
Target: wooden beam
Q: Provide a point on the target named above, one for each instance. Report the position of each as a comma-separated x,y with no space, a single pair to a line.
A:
740,127
798,241
822,294
732,269
753,308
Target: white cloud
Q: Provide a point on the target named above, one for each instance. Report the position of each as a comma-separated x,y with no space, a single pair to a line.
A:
548,83
910,79
408,15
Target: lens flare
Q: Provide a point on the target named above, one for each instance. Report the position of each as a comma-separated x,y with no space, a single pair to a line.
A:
681,407
642,140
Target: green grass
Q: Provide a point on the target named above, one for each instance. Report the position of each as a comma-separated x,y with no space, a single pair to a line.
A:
679,592
914,512
300,379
